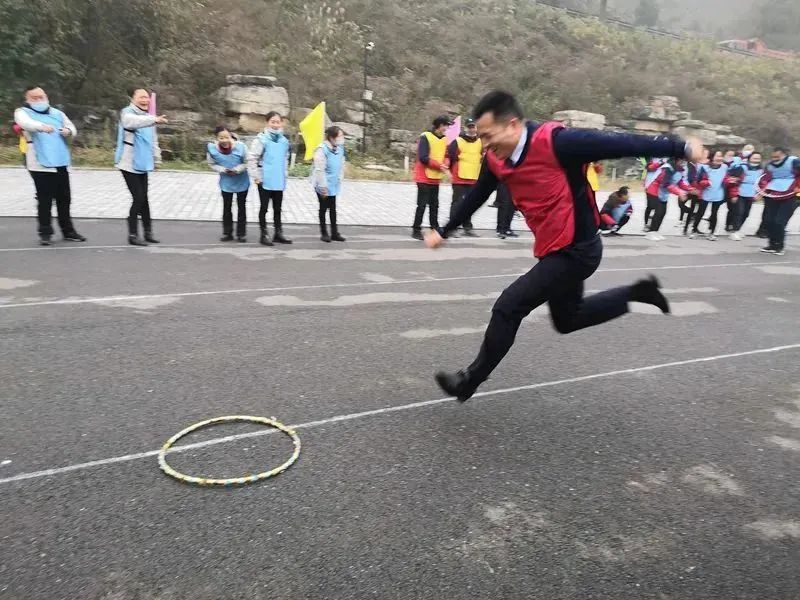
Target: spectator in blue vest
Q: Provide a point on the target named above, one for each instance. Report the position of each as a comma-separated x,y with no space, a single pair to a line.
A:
137,155
268,162
47,158
228,157
327,175
782,181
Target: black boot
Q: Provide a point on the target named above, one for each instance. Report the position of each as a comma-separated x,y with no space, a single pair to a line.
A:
647,291
44,240
134,240
417,234
226,238
336,236
456,384
148,237
264,240
323,234
279,237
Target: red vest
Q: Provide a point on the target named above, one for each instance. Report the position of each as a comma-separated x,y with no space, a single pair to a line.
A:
540,189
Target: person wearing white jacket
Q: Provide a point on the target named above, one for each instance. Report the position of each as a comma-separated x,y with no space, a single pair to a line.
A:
137,155
48,158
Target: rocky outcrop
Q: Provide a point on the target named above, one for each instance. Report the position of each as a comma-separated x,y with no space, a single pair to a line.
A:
579,118
250,97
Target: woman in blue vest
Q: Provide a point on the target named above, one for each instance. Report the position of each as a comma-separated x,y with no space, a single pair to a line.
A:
268,160
47,158
712,183
752,170
327,177
136,156
228,157
780,197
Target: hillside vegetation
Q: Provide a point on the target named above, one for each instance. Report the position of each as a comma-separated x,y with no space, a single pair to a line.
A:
428,53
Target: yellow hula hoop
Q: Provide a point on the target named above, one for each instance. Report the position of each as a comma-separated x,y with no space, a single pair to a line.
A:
207,481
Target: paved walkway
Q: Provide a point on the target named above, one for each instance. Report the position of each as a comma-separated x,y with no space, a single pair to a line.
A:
178,195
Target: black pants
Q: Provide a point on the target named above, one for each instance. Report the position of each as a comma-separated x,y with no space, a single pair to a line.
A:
685,211
459,191
427,196
327,204
241,213
558,280
743,211
733,214
137,186
712,219
652,206
763,228
780,214
277,199
693,204
505,209
49,187
658,216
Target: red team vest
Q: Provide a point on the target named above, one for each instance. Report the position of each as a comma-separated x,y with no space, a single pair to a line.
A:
540,189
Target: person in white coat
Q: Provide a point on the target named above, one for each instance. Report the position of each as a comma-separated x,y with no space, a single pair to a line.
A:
48,158
136,155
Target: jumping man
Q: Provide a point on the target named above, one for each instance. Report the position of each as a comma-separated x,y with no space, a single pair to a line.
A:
544,167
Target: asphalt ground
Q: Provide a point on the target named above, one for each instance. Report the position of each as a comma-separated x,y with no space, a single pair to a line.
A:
651,457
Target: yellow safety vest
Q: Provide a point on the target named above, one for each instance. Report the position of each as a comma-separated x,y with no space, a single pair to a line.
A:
469,158
591,176
438,150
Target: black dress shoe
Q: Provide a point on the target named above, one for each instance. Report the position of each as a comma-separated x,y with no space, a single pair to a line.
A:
648,291
501,235
456,384
148,237
264,239
279,238
470,233
74,236
226,238
241,240
45,240
325,238
417,235
134,240
510,233
337,237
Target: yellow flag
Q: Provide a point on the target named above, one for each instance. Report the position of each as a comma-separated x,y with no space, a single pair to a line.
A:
312,128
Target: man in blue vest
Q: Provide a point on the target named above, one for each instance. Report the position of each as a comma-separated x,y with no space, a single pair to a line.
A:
46,130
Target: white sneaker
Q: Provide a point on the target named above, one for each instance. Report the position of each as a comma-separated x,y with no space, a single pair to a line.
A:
653,236
661,238
711,237
692,235
735,236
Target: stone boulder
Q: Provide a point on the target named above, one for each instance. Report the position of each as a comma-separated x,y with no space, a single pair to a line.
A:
402,135
248,95
403,148
257,80
658,108
695,128
352,131
579,118
731,140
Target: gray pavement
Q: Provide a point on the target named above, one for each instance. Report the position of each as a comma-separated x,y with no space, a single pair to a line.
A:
652,457
185,196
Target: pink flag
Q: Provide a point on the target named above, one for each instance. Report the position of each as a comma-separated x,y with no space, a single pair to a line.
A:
152,109
454,130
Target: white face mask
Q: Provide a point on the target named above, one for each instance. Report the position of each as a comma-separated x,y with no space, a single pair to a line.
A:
274,131
338,142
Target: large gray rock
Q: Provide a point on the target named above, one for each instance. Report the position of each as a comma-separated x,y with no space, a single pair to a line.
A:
658,108
579,118
351,130
402,135
731,140
721,129
256,100
357,116
651,126
691,124
403,148
260,80
707,136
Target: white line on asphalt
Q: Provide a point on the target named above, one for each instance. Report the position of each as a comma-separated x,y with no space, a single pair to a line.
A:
102,299
210,244
392,409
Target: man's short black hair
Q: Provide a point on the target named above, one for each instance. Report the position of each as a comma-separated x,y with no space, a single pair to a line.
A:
442,120
32,87
623,191
500,104
781,149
